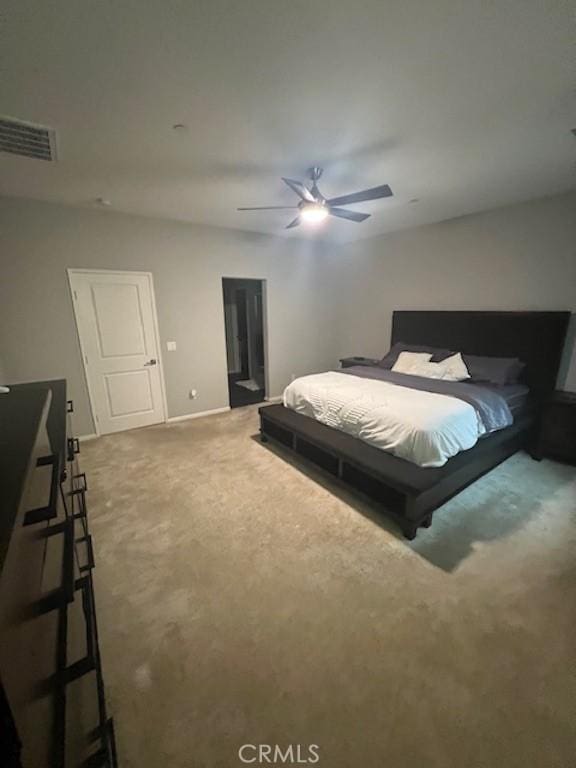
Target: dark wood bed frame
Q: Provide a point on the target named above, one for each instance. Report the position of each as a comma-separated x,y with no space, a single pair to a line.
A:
409,493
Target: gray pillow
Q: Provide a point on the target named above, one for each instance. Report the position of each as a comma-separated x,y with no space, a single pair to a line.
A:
496,370
438,354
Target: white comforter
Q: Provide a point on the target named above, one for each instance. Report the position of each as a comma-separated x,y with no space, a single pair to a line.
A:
422,427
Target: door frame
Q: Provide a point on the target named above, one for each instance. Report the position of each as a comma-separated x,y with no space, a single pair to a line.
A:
71,271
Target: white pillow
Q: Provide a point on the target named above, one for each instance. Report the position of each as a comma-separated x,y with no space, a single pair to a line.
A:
451,369
455,368
429,370
407,361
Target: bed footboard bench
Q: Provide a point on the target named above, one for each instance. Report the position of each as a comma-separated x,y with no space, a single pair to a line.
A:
407,493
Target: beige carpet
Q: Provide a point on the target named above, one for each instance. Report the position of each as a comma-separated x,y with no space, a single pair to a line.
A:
243,599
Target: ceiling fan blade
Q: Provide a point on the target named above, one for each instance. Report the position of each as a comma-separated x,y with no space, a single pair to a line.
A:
341,213
270,208
367,194
294,223
302,191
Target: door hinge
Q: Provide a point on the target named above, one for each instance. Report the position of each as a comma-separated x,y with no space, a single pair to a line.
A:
86,359
75,295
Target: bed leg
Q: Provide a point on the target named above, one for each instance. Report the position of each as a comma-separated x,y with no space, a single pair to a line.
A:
427,522
263,437
409,530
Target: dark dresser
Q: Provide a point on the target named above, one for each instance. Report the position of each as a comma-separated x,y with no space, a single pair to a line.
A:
557,437
53,711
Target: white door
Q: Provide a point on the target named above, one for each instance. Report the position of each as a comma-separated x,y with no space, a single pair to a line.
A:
115,315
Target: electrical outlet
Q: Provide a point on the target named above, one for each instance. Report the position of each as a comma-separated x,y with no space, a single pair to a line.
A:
193,394
171,346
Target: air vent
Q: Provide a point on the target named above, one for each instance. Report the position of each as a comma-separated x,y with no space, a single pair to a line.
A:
27,139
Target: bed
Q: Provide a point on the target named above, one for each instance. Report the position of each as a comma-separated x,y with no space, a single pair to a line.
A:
407,492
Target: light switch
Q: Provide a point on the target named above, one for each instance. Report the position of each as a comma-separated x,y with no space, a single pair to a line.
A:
171,346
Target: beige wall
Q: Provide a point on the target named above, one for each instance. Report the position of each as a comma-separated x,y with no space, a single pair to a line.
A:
521,257
323,301
38,340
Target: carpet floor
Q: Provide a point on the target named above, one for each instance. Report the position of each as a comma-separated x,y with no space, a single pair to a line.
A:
244,599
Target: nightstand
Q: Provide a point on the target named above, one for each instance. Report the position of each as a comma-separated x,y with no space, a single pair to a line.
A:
557,436
348,362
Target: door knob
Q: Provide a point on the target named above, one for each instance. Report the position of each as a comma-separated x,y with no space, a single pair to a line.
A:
151,362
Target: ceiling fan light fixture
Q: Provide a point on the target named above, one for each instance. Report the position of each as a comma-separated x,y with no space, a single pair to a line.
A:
314,213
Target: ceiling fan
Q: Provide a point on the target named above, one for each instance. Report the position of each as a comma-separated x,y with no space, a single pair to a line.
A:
314,207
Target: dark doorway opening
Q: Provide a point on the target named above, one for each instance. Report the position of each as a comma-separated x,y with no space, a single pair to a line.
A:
244,322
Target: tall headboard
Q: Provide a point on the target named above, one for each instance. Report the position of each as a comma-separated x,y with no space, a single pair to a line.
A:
536,338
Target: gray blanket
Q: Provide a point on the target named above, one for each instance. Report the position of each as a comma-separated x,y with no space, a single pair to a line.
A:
489,405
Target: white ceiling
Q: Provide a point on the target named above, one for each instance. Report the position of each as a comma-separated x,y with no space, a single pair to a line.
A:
463,104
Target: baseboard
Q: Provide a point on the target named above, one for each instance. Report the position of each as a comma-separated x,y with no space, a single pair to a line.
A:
173,419
275,399
91,436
